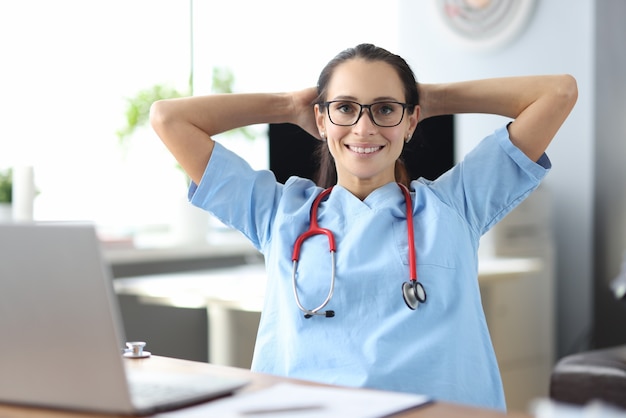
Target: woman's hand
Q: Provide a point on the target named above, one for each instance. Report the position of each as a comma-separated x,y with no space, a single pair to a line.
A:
432,100
303,110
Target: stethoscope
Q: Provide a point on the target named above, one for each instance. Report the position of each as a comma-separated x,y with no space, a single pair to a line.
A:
413,291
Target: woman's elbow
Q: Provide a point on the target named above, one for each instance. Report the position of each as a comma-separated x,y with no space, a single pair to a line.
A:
160,114
567,90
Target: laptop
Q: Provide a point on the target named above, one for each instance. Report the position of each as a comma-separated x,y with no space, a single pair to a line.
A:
61,338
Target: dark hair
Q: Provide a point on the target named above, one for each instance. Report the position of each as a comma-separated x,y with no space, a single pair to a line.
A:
327,173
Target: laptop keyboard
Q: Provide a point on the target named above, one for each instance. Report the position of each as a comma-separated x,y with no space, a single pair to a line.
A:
147,393
165,390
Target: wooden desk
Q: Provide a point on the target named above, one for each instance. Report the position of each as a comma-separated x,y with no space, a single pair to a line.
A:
259,381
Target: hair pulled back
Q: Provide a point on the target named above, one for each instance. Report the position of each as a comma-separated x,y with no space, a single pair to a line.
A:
327,173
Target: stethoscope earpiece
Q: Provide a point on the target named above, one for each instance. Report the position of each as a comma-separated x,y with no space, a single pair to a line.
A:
327,314
413,293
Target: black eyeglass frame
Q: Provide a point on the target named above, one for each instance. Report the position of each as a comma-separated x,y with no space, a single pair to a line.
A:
362,107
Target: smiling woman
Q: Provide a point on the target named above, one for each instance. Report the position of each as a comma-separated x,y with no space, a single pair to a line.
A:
377,233
369,159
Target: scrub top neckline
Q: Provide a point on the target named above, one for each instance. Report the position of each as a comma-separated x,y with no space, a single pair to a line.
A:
377,199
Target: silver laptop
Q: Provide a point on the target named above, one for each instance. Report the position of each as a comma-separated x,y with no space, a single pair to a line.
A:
61,337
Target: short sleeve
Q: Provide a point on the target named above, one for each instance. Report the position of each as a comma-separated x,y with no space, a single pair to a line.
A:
240,197
491,180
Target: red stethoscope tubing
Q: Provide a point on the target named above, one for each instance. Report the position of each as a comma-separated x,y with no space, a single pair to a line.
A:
413,292
411,232
314,228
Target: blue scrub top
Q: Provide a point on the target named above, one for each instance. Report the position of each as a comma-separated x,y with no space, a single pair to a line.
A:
442,349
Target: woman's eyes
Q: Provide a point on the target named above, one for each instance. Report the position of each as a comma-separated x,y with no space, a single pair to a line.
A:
382,109
385,110
346,107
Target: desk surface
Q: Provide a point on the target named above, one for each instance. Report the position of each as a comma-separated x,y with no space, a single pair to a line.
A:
258,381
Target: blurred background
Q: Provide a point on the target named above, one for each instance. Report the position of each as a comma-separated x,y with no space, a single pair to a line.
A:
71,70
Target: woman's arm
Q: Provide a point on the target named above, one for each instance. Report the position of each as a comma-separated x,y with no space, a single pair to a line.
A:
538,104
186,125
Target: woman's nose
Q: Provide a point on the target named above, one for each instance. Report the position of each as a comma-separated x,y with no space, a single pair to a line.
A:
365,125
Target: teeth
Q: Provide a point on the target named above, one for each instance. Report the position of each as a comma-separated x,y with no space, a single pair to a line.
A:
362,150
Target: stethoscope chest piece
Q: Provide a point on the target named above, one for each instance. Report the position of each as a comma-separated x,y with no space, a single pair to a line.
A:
413,293
135,350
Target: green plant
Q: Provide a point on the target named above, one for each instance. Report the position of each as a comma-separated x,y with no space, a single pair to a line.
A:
6,186
138,107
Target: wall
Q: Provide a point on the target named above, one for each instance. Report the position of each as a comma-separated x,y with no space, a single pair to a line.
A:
610,181
559,38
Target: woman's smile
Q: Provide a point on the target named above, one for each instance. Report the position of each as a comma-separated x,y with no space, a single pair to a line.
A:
364,150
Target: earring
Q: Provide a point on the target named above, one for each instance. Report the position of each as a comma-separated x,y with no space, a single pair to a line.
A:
408,138
323,135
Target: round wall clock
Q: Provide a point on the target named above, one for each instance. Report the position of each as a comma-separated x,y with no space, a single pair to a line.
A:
485,24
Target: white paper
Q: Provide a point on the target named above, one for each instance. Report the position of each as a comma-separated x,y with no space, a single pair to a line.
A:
288,400
546,408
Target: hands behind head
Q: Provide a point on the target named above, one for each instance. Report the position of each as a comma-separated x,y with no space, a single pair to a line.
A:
303,110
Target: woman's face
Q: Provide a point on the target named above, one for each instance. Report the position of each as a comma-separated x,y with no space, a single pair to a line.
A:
364,153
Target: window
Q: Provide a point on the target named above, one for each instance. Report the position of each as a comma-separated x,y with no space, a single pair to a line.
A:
70,64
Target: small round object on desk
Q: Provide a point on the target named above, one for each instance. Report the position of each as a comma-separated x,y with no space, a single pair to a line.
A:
135,350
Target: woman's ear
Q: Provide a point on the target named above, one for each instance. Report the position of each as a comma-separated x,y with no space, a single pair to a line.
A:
415,117
418,114
413,120
320,121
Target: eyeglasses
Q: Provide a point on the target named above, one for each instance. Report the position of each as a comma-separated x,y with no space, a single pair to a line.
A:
348,113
